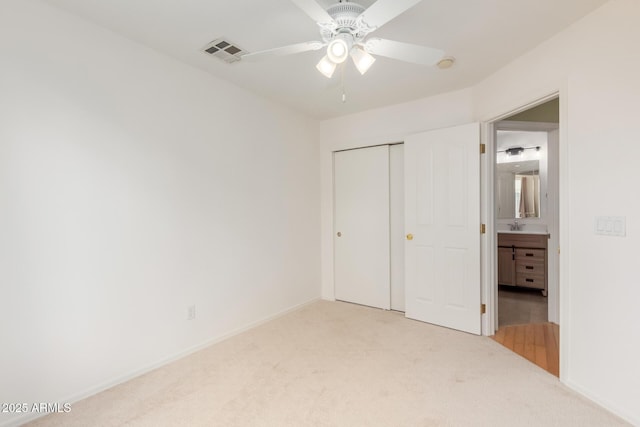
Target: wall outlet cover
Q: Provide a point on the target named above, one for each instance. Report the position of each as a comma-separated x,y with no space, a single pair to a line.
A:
611,226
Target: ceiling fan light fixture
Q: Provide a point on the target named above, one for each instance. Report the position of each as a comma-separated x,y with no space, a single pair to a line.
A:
362,60
338,49
326,67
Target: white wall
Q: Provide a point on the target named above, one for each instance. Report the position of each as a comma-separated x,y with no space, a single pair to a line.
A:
375,127
132,186
594,65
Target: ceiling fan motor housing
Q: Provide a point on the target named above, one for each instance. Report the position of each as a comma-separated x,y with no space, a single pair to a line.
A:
347,18
345,14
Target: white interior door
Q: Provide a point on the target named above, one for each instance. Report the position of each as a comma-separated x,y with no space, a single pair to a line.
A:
442,213
361,219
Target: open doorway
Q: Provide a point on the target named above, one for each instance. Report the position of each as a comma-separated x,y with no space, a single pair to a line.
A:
526,233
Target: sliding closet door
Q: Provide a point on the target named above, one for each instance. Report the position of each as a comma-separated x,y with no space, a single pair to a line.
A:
396,238
361,226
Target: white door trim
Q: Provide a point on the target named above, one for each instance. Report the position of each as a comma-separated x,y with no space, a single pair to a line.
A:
489,243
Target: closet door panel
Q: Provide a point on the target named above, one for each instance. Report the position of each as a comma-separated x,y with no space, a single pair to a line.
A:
396,183
361,226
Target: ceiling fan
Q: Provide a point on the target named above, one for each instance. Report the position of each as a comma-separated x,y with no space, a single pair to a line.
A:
344,28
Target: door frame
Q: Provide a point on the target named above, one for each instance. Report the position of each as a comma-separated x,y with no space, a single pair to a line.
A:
489,248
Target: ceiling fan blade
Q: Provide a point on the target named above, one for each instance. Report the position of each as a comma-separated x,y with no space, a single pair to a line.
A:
314,10
383,11
282,51
404,51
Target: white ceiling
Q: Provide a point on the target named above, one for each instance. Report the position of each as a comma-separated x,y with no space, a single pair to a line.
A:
483,35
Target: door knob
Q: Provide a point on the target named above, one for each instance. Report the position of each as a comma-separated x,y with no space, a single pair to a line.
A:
409,236
339,234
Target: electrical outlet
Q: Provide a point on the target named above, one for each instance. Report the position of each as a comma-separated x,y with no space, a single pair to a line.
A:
191,312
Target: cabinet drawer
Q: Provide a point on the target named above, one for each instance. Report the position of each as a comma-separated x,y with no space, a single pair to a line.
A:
530,267
530,281
523,240
530,254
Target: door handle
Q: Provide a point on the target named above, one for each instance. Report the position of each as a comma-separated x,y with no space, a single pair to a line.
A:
339,234
409,236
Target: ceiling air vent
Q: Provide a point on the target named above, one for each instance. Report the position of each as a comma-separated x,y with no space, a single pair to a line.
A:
225,50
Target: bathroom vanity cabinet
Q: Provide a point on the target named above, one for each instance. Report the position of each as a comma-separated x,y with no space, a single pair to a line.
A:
522,260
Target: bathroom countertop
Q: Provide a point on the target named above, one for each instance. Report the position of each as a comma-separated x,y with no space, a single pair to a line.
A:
523,232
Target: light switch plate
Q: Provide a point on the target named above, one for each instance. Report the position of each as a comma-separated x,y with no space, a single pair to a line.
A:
611,225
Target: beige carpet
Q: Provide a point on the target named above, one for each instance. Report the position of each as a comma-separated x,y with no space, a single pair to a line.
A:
338,364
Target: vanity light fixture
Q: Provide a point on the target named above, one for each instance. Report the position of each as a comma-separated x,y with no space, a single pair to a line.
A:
514,151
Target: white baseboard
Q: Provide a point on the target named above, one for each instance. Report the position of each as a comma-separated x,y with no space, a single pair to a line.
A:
609,406
17,421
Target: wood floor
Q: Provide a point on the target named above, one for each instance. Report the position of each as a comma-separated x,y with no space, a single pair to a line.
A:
537,342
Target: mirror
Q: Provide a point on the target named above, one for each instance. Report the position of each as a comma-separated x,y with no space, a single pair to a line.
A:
521,162
518,189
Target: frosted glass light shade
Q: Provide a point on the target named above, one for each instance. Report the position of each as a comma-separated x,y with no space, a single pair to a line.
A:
338,51
326,67
362,60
